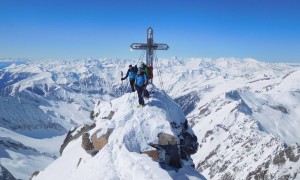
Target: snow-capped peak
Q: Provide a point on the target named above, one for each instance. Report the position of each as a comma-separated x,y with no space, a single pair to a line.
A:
123,157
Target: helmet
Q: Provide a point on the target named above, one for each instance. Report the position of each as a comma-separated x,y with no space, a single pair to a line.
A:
130,66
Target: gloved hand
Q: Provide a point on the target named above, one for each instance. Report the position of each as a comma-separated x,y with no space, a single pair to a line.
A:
122,79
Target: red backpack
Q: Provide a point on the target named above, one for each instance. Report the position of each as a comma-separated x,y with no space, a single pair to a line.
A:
150,72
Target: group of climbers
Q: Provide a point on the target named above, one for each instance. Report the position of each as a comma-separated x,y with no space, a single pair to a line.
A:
139,78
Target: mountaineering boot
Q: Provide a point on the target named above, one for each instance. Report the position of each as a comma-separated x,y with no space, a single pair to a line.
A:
141,105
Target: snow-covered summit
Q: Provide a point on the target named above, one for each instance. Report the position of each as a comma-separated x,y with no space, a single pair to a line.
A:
123,156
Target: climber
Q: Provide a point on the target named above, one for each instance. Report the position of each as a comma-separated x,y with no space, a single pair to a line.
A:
147,72
131,73
140,84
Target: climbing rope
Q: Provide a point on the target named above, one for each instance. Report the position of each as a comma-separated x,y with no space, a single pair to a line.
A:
161,83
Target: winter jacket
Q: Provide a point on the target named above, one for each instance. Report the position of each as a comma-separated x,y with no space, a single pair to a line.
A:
141,79
130,73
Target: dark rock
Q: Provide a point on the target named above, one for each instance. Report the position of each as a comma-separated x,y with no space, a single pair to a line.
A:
92,117
259,173
279,159
290,154
280,108
171,155
168,150
176,151
188,144
208,133
83,128
205,164
97,143
228,176
109,117
166,139
34,174
205,112
224,166
87,145
86,142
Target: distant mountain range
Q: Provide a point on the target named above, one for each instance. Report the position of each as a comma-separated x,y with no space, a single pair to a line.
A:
245,113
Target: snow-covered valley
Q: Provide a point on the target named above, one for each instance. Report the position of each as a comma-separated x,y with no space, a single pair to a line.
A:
245,114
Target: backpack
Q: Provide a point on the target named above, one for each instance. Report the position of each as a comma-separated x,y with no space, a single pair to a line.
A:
150,72
146,71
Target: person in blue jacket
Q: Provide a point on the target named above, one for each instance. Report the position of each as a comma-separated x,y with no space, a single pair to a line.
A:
131,73
140,83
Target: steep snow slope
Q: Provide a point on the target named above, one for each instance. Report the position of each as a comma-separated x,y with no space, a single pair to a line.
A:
122,158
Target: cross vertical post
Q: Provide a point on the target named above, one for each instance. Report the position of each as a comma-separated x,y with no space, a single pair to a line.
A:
149,53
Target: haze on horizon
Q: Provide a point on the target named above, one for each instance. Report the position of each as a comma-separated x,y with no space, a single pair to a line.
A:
266,30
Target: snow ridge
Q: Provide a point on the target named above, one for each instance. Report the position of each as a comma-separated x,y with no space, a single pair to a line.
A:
123,158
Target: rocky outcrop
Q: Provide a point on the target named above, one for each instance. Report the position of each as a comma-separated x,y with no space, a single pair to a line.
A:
286,163
99,141
234,145
111,114
93,115
96,143
166,139
75,133
176,151
87,145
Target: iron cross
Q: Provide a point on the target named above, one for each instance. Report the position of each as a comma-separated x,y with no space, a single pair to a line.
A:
149,47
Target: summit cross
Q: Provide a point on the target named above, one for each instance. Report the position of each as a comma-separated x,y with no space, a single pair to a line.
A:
150,46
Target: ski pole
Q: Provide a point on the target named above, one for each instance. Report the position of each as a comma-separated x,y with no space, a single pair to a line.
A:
121,83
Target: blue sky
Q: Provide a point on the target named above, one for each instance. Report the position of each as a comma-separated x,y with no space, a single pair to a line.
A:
267,30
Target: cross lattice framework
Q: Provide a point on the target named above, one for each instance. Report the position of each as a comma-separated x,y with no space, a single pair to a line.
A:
150,46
